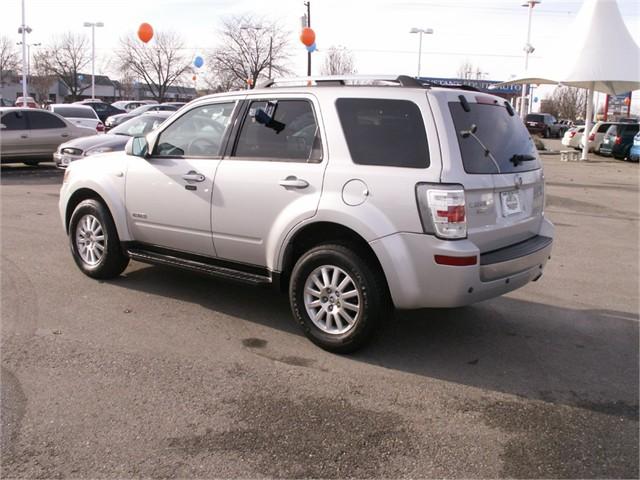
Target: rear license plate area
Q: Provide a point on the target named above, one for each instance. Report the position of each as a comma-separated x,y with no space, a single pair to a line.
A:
511,203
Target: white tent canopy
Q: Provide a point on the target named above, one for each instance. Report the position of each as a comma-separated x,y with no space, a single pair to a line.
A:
606,57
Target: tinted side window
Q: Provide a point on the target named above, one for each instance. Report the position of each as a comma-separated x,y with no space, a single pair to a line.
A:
197,133
42,120
280,129
603,128
14,120
384,132
75,112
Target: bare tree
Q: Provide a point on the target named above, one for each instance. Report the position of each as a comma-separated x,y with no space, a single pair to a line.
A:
250,48
468,71
338,61
159,64
41,79
9,59
565,102
65,58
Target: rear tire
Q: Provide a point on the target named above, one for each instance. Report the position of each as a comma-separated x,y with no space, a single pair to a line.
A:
337,297
94,241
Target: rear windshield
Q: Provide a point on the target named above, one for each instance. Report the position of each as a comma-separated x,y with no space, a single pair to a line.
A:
612,130
384,132
75,112
534,118
502,134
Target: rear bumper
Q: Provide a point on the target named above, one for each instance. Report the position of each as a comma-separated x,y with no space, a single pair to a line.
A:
416,281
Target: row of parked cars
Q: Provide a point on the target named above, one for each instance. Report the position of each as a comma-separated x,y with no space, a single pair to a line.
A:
31,135
620,140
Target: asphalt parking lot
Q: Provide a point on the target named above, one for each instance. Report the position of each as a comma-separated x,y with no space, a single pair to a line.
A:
163,373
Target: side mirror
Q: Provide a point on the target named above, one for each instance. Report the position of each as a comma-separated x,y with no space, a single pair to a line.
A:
137,147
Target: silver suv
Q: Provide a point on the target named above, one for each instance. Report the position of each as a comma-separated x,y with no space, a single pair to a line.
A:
352,198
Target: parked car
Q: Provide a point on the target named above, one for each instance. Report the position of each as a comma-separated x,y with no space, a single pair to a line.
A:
127,105
573,137
113,141
5,102
596,136
28,102
175,104
618,140
103,109
115,120
31,136
81,115
543,124
634,153
302,199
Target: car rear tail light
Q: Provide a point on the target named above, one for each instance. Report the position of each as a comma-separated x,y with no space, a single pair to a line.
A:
442,210
572,134
100,127
618,140
592,137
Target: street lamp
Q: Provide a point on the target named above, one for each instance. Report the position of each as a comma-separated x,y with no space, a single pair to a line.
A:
428,31
24,29
93,26
29,45
528,49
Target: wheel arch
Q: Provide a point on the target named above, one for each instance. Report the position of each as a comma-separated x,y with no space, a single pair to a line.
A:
317,233
85,193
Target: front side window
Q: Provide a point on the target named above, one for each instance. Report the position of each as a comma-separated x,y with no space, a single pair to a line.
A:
197,133
13,120
280,129
384,132
42,120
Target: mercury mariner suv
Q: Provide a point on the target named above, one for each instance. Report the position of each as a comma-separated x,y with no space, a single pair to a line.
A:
352,195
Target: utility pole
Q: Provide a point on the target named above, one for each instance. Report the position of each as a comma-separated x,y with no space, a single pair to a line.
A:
528,49
308,5
270,53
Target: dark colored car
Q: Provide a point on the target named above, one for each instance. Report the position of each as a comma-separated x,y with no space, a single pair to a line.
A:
115,120
618,140
544,124
113,141
103,109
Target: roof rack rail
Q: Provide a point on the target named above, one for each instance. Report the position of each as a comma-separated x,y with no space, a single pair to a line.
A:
340,80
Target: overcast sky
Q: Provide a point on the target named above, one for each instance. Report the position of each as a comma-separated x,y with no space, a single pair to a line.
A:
490,33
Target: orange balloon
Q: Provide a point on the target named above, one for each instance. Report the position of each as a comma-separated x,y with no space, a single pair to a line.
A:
308,36
145,32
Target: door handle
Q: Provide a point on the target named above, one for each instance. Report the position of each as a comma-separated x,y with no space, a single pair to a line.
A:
65,135
24,136
293,182
193,176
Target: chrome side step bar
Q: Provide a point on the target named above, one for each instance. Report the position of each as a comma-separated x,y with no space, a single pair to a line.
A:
156,258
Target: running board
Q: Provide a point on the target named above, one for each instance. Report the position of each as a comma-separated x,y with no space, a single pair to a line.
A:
155,258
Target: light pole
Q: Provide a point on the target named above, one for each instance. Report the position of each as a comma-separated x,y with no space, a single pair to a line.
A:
528,49
93,26
428,31
29,45
24,29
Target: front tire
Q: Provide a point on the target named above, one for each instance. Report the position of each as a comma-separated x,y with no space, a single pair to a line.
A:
336,297
94,241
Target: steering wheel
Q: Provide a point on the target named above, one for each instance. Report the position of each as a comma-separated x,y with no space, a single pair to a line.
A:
202,144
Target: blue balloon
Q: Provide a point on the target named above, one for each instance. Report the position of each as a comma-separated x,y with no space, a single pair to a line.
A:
198,62
311,48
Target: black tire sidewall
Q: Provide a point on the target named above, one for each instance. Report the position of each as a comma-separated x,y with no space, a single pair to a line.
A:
366,281
113,261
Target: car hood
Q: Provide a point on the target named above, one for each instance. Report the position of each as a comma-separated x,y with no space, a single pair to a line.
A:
116,142
120,116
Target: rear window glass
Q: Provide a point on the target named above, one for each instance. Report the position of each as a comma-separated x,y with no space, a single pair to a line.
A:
43,120
612,130
505,136
384,132
603,128
535,118
75,112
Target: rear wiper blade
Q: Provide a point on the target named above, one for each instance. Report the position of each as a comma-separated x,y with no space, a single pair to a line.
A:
518,159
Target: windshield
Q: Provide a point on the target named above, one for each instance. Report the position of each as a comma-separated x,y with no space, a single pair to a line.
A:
505,136
142,109
138,126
